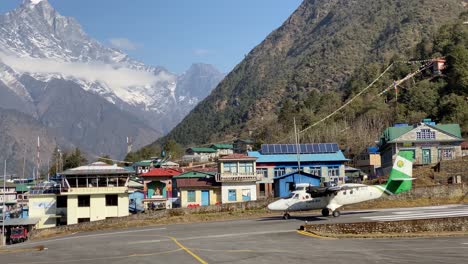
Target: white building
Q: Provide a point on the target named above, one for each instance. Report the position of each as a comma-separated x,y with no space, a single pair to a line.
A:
238,177
87,193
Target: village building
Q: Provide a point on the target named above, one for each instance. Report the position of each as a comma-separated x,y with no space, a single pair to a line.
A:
242,146
223,149
157,187
198,188
197,154
429,142
237,175
464,148
286,183
88,193
275,160
368,161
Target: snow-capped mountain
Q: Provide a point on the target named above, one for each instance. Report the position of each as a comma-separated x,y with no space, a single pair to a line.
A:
82,93
37,41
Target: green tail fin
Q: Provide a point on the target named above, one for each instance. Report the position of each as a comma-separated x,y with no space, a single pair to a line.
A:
400,179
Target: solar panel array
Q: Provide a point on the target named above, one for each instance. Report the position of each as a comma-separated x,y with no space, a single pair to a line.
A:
304,148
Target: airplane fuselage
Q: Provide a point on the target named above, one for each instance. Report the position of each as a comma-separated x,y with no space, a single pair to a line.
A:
303,201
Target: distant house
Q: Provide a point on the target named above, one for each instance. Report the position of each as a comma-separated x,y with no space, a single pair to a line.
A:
429,142
158,186
464,147
209,153
238,177
274,160
368,161
223,149
242,146
286,183
142,166
198,188
170,164
354,175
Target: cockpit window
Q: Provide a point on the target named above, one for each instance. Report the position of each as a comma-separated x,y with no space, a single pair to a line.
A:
296,196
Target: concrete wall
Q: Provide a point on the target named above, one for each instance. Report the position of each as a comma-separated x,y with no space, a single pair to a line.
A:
238,186
43,207
97,209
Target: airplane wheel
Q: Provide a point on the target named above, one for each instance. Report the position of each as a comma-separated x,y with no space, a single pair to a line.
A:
286,216
325,212
336,213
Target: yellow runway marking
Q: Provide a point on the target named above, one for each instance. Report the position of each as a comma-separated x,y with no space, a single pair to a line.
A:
188,251
305,233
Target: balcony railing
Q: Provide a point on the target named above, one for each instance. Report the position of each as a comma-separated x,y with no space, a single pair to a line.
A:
238,177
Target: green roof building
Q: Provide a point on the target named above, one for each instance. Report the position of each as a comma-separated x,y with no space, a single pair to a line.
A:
430,143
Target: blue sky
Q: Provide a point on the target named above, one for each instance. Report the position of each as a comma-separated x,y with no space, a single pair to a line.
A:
176,33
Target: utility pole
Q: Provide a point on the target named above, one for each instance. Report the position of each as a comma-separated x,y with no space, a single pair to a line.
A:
4,206
298,150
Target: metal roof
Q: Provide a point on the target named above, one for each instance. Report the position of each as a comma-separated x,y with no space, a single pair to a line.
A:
21,221
203,150
195,174
222,146
337,156
97,168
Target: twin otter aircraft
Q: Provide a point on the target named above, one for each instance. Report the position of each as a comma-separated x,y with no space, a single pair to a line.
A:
306,197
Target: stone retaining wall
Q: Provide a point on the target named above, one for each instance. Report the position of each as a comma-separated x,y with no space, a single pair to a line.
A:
453,224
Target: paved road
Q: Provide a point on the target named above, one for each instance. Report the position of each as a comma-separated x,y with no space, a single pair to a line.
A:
265,240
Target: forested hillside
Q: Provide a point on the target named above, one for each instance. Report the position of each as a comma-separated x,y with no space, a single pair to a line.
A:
324,54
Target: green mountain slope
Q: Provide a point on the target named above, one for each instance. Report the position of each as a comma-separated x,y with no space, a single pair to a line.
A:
322,54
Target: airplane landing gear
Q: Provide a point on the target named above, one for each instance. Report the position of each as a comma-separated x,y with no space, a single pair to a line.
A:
325,212
336,213
286,216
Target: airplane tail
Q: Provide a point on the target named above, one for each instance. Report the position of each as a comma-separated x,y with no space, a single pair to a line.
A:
400,179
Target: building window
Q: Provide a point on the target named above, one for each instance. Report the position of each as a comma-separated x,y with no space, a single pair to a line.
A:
83,200
246,196
279,172
263,172
191,196
334,171
112,200
83,220
62,201
446,154
316,171
230,167
246,167
232,196
425,134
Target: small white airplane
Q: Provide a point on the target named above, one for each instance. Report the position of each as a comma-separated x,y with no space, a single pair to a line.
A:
306,198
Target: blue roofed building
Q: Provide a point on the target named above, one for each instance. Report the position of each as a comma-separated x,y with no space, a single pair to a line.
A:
324,160
286,183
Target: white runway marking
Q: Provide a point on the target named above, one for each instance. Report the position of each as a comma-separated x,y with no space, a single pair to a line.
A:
420,214
93,235
148,241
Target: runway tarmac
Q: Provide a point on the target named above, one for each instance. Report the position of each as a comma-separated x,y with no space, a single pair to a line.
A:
263,240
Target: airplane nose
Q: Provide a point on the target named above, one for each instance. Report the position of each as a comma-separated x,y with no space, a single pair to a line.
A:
276,206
